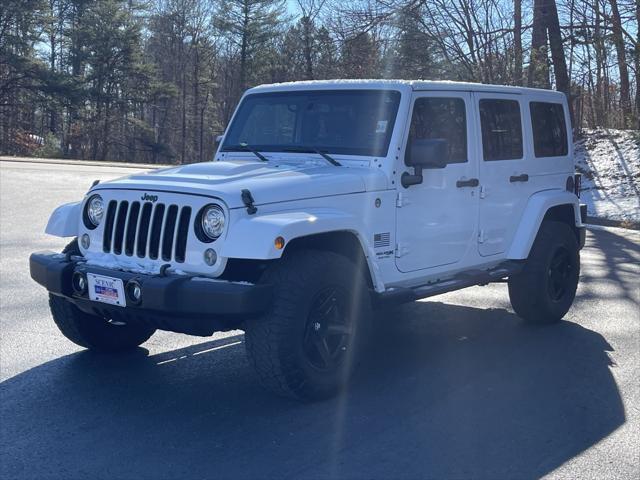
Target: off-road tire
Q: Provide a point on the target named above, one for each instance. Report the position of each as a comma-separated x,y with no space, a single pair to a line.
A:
539,294
277,343
91,331
72,248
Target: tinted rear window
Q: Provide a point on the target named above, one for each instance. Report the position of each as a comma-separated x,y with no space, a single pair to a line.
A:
549,129
501,129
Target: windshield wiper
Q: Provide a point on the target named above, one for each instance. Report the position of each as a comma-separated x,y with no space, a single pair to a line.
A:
245,147
324,155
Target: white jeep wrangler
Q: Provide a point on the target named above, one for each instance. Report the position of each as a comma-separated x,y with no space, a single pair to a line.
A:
326,199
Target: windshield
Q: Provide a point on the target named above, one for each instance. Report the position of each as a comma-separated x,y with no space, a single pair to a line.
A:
350,122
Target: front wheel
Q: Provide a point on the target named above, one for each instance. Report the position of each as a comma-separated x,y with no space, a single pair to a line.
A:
90,331
544,291
93,332
304,347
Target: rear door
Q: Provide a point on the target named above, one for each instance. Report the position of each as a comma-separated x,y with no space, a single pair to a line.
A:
504,176
437,219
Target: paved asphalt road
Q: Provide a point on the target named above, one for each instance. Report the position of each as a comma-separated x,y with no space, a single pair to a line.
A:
455,387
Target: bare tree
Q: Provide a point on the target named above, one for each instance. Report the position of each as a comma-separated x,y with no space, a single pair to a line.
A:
517,42
623,71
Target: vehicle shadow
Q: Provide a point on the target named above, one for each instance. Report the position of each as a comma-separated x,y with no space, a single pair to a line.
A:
618,267
443,391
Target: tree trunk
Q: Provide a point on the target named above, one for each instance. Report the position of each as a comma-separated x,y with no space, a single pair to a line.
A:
308,60
563,84
183,143
244,47
595,115
538,75
107,127
53,114
517,42
637,64
196,101
597,43
623,71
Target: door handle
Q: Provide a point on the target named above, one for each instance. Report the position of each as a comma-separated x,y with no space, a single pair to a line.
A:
472,182
519,178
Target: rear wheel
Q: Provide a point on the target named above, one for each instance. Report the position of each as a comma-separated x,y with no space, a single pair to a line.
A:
304,347
544,291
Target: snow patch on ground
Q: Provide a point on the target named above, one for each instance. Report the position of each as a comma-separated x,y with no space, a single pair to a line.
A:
609,161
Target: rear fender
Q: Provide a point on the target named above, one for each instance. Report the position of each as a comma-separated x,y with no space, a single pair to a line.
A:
534,213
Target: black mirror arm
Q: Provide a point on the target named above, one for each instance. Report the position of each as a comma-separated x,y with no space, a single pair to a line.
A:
407,179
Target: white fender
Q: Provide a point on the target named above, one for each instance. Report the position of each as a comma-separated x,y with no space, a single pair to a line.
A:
64,220
253,237
537,206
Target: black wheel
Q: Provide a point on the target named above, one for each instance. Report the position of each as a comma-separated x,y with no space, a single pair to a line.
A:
91,331
305,346
544,291
72,248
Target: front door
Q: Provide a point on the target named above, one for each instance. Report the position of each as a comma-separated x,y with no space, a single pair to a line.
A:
437,219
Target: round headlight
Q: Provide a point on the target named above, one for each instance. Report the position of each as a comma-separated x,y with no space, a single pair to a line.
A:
95,210
212,221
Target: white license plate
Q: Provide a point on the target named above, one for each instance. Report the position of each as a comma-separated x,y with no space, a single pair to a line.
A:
106,289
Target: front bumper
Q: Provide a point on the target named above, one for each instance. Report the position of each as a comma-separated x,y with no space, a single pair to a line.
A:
178,303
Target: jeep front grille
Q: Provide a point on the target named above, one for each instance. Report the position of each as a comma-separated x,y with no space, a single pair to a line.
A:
147,230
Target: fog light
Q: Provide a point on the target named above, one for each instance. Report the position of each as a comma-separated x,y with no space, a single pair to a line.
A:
210,256
79,283
134,291
85,241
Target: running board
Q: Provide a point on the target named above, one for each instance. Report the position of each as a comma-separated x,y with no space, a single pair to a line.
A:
464,279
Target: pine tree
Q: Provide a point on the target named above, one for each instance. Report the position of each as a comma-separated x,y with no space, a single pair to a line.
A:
249,25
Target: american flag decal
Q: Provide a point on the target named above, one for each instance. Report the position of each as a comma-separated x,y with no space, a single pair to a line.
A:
381,240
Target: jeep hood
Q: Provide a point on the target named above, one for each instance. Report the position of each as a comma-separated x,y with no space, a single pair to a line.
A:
268,182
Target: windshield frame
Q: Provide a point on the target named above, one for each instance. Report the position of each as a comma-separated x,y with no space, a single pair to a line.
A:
367,150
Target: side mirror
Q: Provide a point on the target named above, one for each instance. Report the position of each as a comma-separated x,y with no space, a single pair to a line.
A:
424,153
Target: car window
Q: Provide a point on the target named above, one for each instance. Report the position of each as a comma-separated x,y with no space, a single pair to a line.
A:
501,129
350,122
443,119
270,122
549,129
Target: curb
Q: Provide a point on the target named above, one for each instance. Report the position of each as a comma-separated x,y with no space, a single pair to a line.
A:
605,222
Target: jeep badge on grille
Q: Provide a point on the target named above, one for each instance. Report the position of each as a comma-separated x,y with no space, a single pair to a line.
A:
149,198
